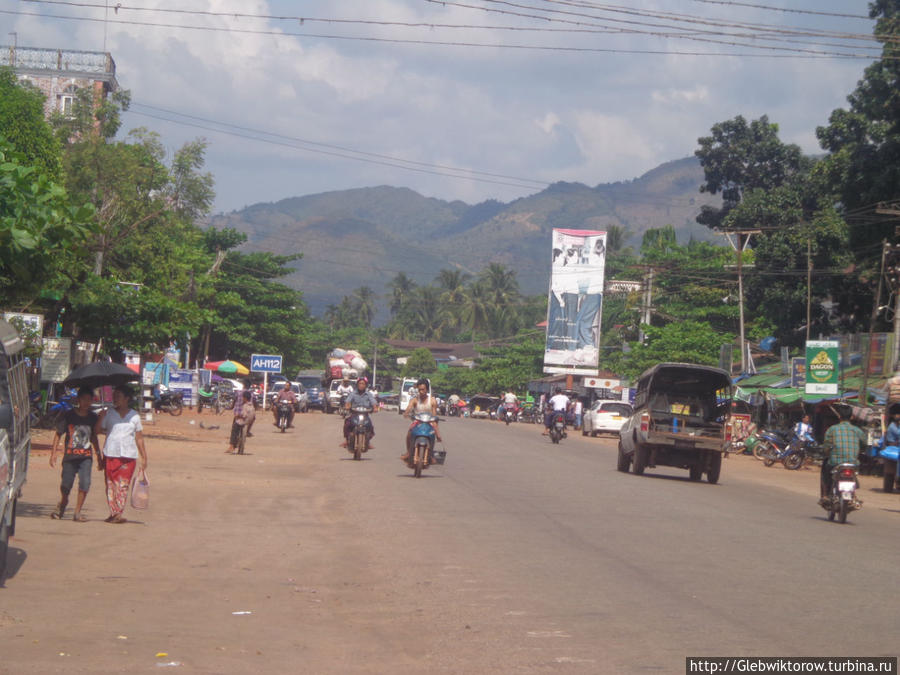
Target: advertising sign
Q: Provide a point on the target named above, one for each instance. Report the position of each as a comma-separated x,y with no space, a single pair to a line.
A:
822,369
265,363
56,360
575,301
798,371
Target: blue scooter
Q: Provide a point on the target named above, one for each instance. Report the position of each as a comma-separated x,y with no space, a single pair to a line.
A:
423,453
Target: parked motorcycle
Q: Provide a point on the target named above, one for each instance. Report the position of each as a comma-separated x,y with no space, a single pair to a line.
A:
358,441
771,447
798,452
558,427
423,454
842,499
453,411
171,402
284,415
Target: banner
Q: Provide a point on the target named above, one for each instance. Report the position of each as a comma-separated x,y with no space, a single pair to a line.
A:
575,302
822,367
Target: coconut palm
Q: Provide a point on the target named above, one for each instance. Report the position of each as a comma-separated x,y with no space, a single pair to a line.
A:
452,284
364,305
401,287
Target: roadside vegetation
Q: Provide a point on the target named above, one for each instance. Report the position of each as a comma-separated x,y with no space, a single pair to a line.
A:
104,234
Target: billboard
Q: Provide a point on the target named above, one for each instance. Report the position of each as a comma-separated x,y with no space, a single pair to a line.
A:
822,366
575,300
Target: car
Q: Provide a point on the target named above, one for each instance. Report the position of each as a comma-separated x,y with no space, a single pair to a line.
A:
605,416
333,400
315,395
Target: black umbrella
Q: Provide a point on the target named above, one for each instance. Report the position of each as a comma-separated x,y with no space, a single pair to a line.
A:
101,373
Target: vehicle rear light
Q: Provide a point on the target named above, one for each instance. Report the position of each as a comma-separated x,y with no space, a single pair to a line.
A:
645,421
727,432
847,473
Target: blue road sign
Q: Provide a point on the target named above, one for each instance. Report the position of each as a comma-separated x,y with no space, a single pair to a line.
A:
265,363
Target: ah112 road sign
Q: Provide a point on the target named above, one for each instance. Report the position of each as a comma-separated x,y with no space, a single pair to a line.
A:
265,363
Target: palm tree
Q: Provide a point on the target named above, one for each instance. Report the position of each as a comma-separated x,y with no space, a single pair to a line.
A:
401,287
453,295
502,297
364,305
475,310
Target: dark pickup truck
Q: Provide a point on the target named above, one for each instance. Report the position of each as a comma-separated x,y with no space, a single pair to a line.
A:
679,420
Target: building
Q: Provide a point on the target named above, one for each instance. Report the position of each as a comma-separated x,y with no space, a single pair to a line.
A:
60,73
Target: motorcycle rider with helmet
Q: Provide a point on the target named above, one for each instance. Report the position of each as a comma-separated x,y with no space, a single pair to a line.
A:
360,398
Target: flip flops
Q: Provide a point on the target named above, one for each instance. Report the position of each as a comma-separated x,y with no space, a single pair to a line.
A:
79,518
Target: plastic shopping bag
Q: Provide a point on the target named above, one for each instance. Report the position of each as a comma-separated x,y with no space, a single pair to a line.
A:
140,491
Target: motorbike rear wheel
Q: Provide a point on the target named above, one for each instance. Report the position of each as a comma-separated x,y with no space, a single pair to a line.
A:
243,439
176,407
842,512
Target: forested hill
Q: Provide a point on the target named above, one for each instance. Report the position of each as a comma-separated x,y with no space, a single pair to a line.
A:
352,238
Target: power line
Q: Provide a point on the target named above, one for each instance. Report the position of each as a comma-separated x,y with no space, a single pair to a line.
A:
792,53
734,3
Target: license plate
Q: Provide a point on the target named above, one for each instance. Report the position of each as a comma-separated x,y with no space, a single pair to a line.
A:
560,425
846,486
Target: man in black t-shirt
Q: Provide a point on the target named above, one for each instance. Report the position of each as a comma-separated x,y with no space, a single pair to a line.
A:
77,426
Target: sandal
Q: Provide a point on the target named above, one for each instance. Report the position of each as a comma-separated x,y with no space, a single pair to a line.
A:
79,518
58,514
118,519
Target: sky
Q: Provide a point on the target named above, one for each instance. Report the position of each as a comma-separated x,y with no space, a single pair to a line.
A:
469,100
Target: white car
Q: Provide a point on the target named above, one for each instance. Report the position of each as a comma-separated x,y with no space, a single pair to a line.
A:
605,417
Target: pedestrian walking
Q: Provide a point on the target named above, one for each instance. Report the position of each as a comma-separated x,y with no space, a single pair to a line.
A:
78,427
124,445
244,414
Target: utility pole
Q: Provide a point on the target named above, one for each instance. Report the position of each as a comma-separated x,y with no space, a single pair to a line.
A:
739,250
876,305
809,268
646,304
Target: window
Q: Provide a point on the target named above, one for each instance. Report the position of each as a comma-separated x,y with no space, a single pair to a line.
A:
67,100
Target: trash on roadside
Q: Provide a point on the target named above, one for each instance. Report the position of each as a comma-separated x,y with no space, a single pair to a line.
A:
162,655
169,664
240,613
121,637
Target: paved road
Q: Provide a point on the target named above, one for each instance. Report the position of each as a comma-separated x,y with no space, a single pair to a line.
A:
516,556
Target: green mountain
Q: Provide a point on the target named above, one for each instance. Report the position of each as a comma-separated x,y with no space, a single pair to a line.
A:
351,238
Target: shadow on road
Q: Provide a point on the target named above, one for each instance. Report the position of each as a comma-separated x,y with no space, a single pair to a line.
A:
15,558
29,510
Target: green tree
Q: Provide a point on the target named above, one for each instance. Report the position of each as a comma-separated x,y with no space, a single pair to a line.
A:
863,141
22,123
737,157
38,226
680,341
420,364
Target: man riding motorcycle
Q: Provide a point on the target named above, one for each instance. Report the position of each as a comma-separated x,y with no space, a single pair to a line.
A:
842,442
510,402
361,398
558,403
423,402
344,390
286,394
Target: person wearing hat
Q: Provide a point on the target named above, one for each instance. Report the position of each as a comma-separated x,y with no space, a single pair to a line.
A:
361,398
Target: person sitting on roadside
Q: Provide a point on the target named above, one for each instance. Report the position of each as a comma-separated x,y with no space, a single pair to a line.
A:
892,435
361,398
422,403
286,394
